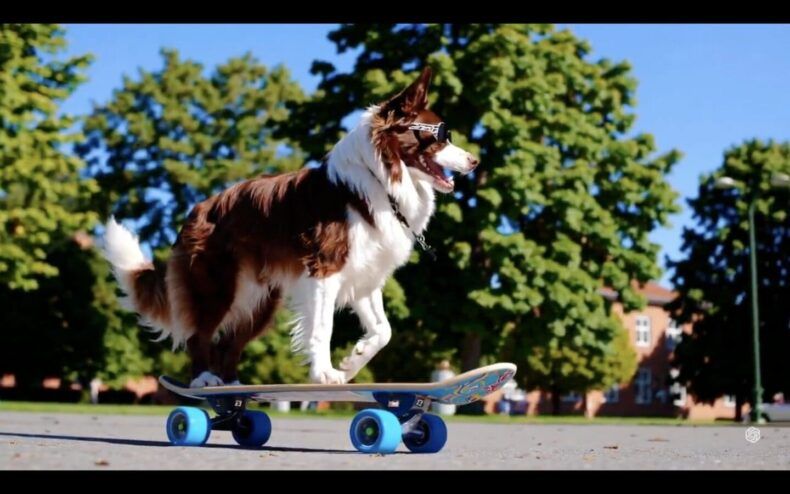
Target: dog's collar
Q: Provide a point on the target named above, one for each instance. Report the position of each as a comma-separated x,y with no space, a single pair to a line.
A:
418,237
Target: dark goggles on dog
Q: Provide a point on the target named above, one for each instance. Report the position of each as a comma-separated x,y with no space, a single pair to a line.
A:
439,130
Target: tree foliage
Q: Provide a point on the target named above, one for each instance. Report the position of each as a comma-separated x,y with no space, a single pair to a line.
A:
713,278
40,188
170,138
71,326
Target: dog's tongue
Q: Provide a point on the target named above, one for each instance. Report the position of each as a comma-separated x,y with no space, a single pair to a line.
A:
437,172
445,183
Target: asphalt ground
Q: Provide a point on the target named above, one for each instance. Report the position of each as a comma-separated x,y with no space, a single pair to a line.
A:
32,440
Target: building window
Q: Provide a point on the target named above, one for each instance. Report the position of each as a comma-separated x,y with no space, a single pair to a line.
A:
729,401
673,334
643,331
571,397
644,387
613,394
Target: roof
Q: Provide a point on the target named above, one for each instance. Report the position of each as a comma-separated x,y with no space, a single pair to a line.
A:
653,292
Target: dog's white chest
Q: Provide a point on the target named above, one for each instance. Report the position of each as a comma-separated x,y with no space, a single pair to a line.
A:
374,253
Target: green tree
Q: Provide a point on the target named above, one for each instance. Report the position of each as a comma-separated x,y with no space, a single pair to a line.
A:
170,138
561,205
713,278
40,188
57,308
70,326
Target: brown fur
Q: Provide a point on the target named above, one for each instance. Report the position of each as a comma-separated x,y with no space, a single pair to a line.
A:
267,225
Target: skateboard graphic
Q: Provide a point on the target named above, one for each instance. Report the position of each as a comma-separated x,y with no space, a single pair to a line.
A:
403,417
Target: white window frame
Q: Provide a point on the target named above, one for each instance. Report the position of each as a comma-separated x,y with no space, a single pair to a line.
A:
674,333
643,386
728,401
644,331
612,395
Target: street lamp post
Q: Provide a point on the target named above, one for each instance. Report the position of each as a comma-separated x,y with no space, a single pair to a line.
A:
778,180
757,415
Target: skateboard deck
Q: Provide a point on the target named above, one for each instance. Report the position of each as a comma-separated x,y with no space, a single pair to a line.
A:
462,389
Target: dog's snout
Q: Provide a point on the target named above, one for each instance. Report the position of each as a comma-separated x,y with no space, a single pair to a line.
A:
473,162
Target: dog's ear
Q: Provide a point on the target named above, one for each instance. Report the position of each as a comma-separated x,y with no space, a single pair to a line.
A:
414,98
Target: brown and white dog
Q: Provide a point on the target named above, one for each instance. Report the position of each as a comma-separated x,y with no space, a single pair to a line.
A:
322,238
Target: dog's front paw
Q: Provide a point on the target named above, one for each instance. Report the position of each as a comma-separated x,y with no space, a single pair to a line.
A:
205,378
327,375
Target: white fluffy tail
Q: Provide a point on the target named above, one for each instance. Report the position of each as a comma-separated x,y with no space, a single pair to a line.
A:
122,248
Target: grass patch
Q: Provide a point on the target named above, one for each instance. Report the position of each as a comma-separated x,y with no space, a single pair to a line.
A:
163,410
83,408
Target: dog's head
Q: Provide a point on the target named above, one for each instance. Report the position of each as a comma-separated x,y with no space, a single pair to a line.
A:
406,131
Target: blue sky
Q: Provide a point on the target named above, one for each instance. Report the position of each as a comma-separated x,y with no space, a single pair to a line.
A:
702,88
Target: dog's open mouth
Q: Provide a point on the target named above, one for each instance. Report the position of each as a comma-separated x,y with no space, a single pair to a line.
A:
436,172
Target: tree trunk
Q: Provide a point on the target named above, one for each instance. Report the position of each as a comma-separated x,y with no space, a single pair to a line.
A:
738,406
470,352
555,400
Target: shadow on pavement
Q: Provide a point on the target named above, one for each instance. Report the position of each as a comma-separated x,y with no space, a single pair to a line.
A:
139,442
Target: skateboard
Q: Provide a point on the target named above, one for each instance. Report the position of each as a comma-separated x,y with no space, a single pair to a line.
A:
402,415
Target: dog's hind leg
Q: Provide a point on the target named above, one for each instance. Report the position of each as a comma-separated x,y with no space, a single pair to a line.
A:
209,289
370,311
199,348
230,347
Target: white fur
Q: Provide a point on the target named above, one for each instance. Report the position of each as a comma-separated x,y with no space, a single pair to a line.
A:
378,332
454,158
205,378
314,300
122,248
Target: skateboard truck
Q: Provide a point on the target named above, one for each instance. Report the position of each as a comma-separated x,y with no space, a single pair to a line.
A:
407,407
229,410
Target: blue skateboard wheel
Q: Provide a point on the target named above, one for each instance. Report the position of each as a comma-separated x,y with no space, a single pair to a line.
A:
375,431
188,426
253,429
429,435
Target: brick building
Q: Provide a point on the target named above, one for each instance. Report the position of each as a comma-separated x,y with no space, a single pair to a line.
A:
653,334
